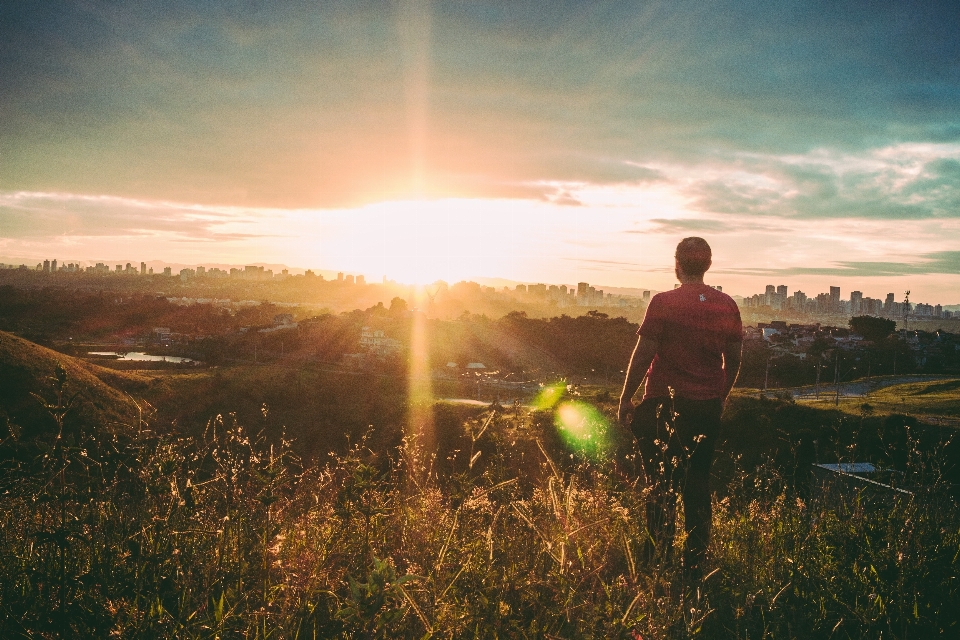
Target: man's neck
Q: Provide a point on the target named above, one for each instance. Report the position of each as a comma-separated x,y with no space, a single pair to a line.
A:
690,280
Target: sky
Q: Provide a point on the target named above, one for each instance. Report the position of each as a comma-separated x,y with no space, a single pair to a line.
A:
811,143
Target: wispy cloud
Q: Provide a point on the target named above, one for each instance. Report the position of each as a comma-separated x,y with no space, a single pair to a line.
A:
940,262
37,215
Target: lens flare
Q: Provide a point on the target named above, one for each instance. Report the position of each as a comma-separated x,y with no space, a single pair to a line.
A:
420,398
549,396
583,429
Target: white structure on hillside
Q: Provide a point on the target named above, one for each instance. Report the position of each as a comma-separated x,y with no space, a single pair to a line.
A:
377,343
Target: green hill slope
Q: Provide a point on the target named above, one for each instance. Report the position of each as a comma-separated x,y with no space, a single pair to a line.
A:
26,368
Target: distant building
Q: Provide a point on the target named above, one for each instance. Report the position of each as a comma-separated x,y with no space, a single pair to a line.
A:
834,298
167,271
770,292
856,302
348,279
361,280
143,268
374,341
281,321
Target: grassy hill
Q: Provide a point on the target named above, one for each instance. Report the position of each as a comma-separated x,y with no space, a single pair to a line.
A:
27,368
936,400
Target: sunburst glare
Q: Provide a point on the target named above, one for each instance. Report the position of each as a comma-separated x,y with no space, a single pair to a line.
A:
420,389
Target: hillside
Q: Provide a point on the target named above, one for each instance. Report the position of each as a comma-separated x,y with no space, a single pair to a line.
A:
27,368
931,399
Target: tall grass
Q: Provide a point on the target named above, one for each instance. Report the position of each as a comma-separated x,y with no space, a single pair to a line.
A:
227,535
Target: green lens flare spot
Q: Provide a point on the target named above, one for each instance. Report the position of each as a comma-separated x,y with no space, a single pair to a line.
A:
583,429
549,396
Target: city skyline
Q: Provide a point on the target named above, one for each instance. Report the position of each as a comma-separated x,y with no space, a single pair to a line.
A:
777,297
566,142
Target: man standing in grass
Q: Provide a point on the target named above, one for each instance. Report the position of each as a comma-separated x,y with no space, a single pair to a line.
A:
688,350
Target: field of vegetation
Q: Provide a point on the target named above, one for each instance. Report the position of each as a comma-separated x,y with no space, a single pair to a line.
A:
491,523
931,400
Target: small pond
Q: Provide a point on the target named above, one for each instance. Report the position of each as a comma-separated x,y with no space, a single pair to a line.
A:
136,356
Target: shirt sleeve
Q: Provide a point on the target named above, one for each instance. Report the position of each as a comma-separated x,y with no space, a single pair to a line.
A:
652,325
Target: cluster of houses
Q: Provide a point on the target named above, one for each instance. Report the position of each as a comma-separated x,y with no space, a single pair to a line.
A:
796,339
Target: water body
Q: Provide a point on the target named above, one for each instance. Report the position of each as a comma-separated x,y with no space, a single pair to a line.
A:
136,356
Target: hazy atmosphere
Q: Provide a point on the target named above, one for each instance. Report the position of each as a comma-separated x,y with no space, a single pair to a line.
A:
813,143
428,319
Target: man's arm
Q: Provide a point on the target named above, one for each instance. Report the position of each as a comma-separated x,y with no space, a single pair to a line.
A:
732,356
643,355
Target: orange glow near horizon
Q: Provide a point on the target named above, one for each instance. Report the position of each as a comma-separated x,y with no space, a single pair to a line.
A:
616,236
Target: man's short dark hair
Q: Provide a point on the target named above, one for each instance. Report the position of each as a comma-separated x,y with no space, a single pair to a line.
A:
694,256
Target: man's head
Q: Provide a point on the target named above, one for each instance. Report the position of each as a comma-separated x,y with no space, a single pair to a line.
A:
693,257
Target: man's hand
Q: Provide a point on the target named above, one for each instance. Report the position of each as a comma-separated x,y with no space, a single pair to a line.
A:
625,413
643,355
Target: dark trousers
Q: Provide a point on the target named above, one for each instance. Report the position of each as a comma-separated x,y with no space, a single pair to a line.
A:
676,439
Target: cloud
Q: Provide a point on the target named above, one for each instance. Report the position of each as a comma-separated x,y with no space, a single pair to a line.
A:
38,215
618,265
305,104
684,225
935,263
897,182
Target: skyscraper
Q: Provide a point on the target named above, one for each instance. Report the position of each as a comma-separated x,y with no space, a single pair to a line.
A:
799,300
856,302
834,298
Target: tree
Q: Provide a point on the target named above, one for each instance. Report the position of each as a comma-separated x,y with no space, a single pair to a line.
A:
398,305
872,328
